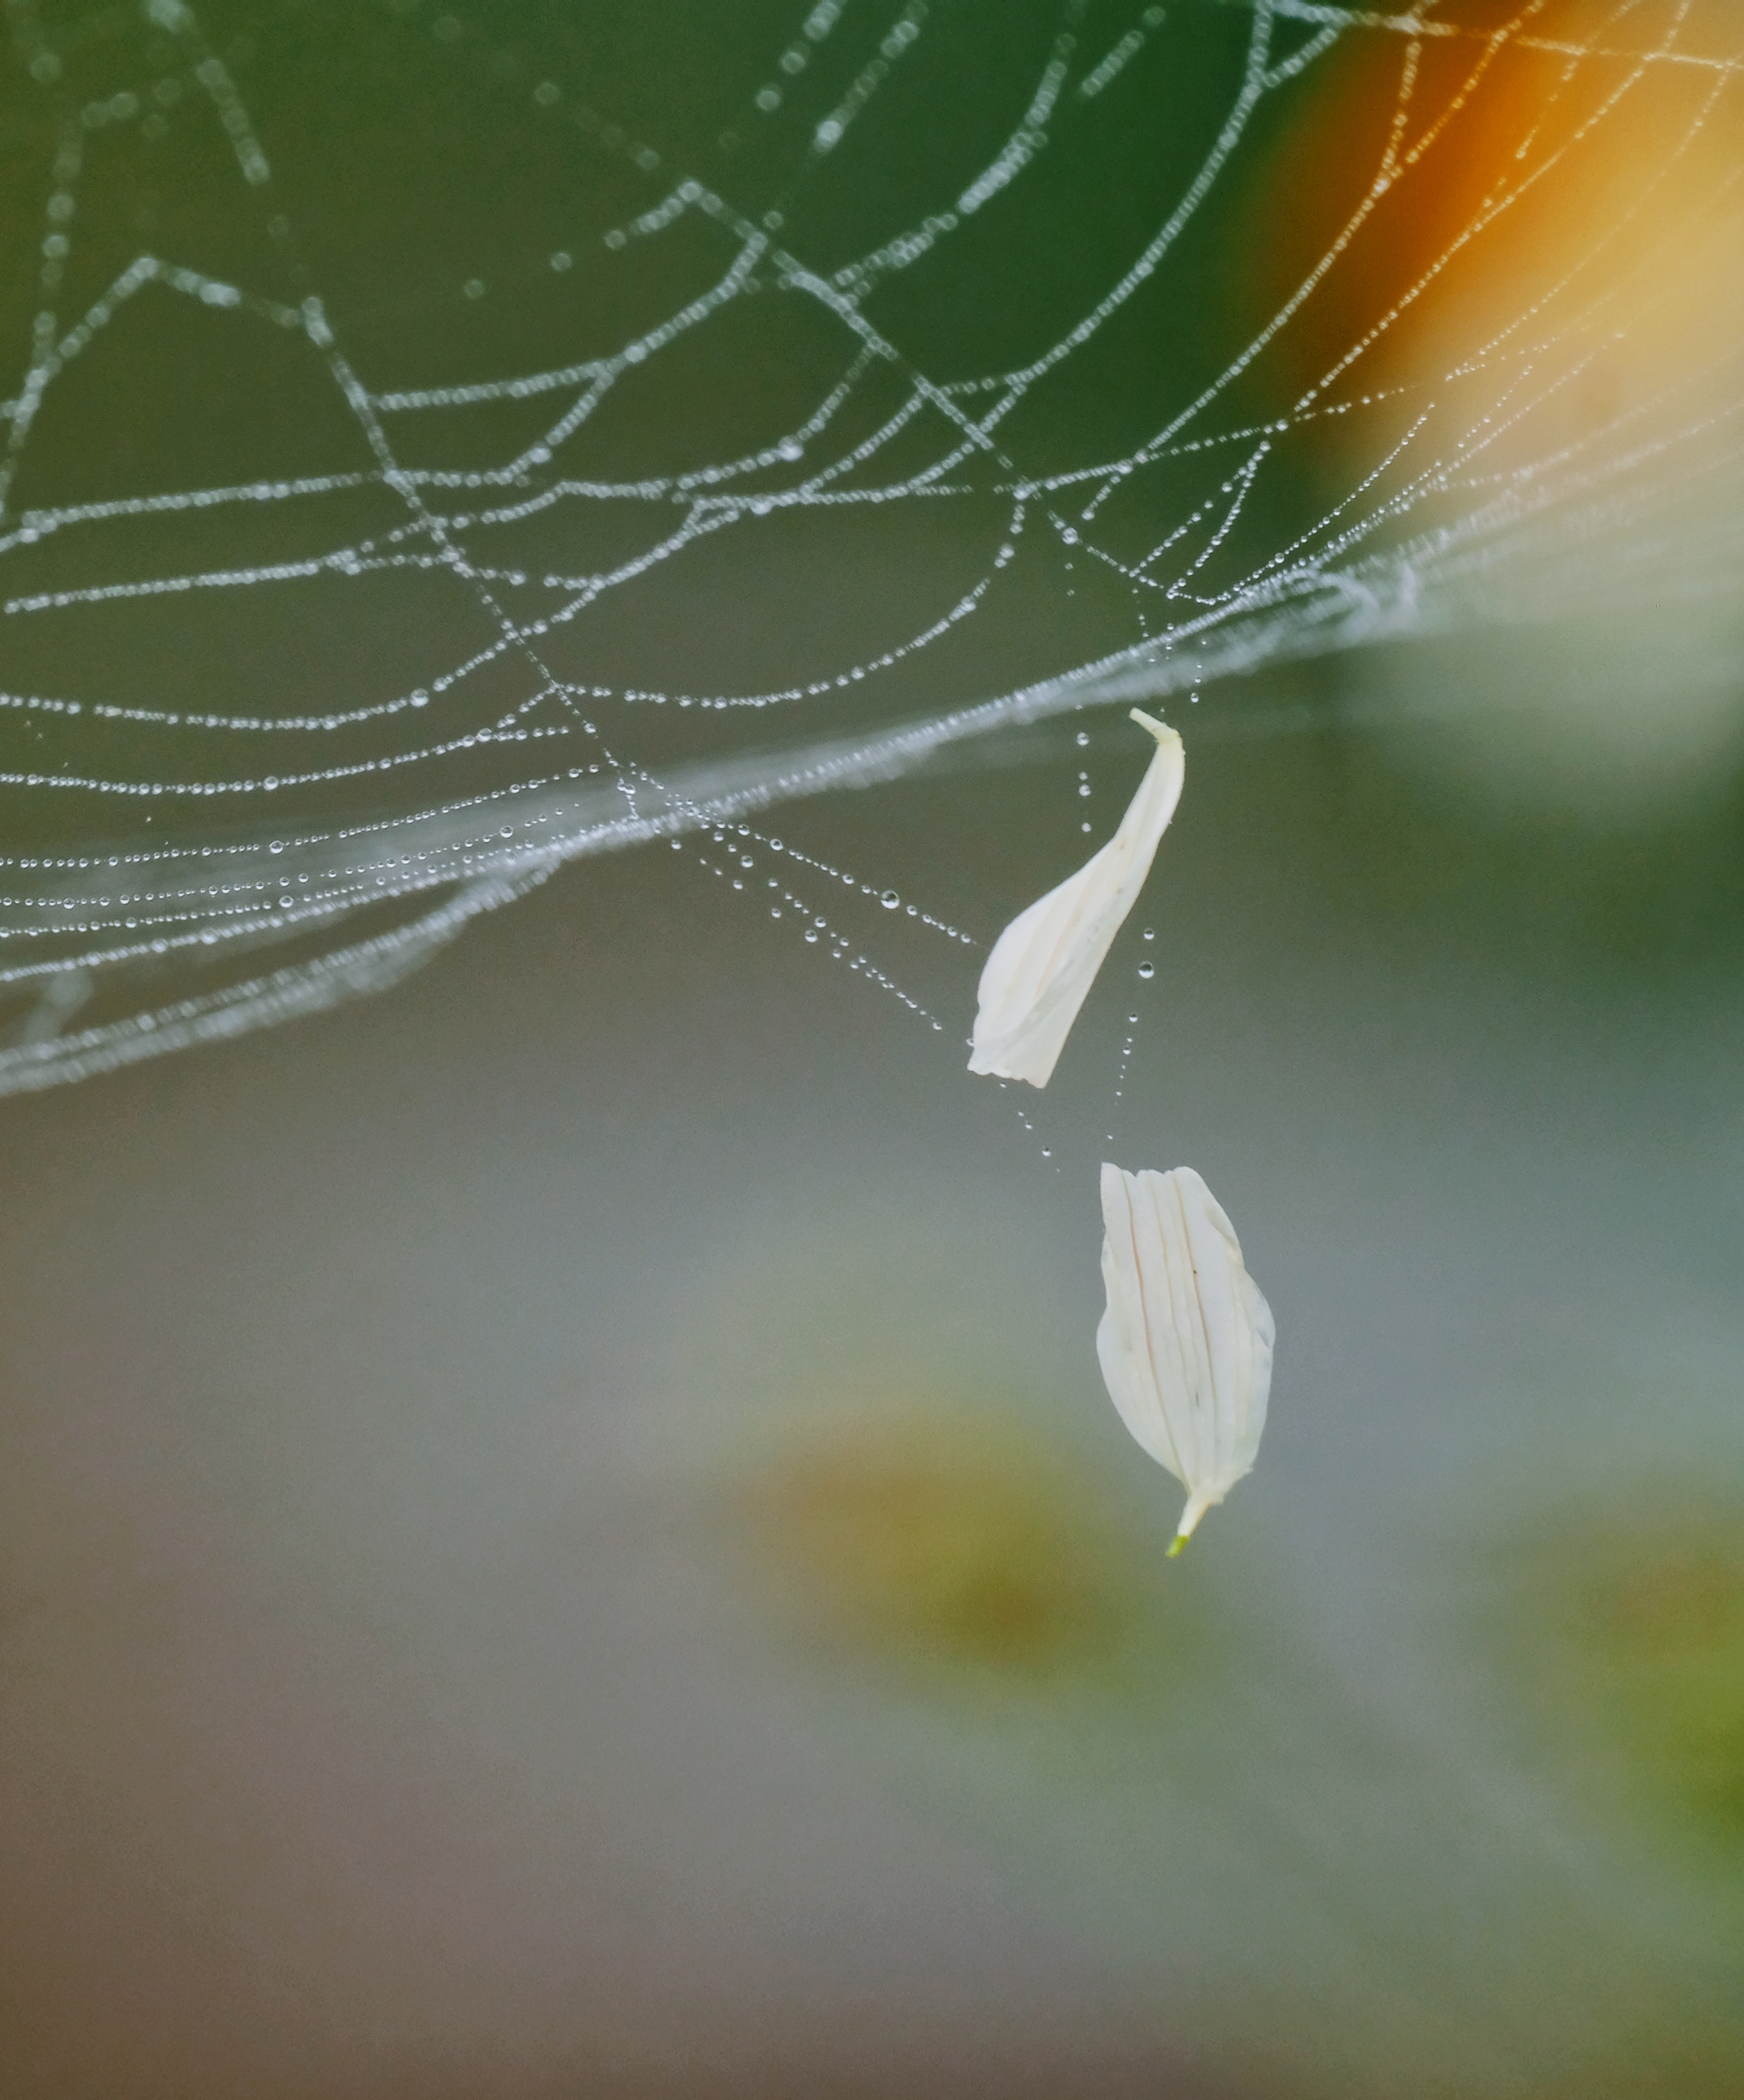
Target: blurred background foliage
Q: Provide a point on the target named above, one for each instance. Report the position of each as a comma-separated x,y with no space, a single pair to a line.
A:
559,1531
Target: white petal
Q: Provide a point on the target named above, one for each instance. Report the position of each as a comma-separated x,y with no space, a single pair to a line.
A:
1043,964
1186,1343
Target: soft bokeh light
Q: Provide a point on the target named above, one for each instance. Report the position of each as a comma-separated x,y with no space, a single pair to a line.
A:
1485,236
560,1528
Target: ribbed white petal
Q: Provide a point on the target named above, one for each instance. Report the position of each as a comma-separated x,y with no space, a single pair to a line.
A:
1043,964
1186,1343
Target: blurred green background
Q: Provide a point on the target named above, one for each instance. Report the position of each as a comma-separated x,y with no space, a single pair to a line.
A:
560,1532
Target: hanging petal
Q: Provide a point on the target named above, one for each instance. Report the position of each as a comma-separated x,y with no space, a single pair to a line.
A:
1185,1345
1045,961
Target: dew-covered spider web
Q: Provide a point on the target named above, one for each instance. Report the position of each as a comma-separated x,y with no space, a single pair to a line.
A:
439,444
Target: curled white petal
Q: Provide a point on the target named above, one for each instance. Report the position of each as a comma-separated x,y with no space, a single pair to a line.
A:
1045,962
1186,1343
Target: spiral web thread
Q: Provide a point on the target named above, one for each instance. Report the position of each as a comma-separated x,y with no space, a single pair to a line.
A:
308,852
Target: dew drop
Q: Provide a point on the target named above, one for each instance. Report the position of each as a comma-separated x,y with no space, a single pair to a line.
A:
1147,969
811,933
277,846
1083,738
890,900
1084,787
1150,933
775,846
1047,1152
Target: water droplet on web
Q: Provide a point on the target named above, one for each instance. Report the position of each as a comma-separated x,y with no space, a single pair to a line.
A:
1150,933
1083,786
458,847
1047,1152
1147,969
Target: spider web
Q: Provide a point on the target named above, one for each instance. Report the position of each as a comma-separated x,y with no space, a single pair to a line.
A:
448,444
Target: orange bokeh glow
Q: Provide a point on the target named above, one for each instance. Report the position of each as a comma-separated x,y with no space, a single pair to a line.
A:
1541,212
